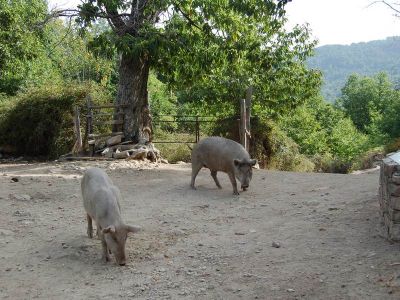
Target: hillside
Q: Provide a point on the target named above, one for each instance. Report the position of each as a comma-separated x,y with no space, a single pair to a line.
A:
337,62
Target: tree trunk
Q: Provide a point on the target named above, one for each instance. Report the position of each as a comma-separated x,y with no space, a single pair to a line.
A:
132,92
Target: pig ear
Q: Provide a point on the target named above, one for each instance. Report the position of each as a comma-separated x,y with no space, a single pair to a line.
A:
109,229
133,229
236,162
253,162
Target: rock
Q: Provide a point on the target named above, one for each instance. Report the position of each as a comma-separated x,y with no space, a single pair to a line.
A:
21,197
14,179
240,233
164,161
276,244
290,290
18,213
5,232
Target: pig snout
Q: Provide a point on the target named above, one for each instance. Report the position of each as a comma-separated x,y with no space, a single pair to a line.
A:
121,261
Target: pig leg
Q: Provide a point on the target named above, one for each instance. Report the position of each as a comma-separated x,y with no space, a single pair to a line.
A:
195,170
105,256
214,176
89,226
234,185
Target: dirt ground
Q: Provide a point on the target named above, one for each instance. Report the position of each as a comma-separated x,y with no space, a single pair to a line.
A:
196,244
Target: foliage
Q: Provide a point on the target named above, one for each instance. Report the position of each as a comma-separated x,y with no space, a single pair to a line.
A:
211,51
338,62
325,135
365,98
304,128
22,54
389,123
162,100
269,144
72,57
174,152
35,51
369,159
40,122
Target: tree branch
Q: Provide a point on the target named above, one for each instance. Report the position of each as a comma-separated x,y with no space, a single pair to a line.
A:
186,16
390,5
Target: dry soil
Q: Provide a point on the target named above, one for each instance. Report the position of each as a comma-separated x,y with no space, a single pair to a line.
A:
196,244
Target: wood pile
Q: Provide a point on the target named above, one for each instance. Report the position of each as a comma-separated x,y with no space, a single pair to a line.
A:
113,147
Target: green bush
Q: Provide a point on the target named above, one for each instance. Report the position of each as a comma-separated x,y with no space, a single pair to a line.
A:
275,150
39,122
174,152
269,144
368,159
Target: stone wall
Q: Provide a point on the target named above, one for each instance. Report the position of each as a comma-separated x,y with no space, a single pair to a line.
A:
389,198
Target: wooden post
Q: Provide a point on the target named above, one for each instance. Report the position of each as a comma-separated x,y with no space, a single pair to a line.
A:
249,94
197,129
89,124
77,126
89,115
243,118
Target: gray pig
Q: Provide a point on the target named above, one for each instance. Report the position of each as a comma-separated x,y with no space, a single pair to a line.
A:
101,201
221,154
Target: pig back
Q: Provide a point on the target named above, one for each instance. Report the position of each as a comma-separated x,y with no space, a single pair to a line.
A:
218,153
100,196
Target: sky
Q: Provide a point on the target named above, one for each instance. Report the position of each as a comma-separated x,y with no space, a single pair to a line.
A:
331,21
344,21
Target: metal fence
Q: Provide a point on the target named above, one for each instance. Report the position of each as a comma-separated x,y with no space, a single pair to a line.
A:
193,126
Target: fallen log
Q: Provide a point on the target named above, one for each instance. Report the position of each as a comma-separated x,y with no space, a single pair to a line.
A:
123,154
137,154
114,140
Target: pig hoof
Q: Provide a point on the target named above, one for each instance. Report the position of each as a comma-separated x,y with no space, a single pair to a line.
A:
106,258
193,187
90,234
236,193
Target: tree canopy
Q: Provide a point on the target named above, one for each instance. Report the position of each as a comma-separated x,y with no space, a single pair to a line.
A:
21,42
211,51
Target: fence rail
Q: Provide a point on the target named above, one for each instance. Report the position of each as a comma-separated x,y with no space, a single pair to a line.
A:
158,120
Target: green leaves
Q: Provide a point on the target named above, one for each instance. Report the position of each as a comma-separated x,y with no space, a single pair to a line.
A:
20,41
365,97
220,47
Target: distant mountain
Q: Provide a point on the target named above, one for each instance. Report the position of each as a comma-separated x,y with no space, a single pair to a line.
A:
337,62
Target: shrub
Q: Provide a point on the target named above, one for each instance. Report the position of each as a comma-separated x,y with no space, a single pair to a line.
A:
39,122
269,144
173,152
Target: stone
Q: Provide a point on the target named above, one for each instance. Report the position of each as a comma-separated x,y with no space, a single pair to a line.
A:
394,189
394,215
394,202
276,244
389,167
395,178
21,197
394,232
